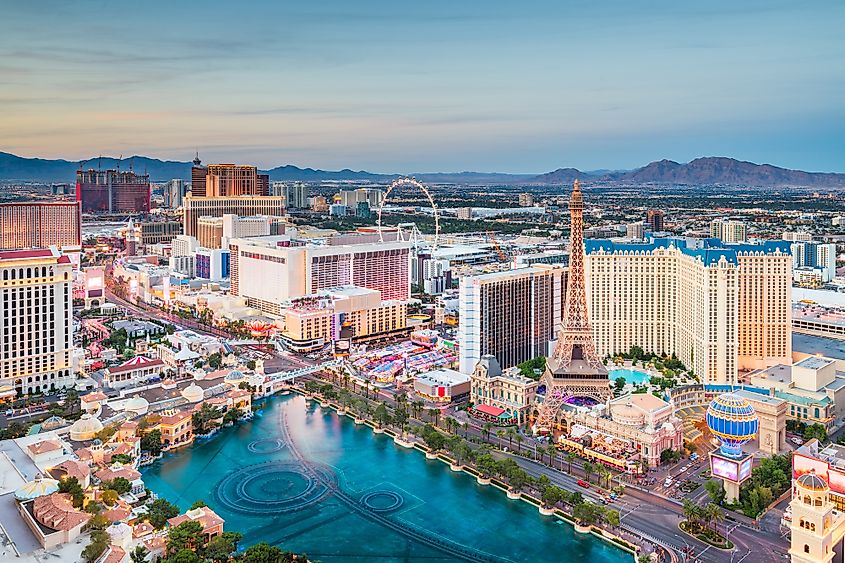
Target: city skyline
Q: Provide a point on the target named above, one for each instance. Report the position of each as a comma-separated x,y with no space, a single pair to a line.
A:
442,88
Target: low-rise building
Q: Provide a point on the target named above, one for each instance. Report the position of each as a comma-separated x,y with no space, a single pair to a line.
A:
508,390
212,524
139,369
442,385
53,519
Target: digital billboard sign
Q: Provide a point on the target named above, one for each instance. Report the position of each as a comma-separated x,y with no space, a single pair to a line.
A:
745,468
724,468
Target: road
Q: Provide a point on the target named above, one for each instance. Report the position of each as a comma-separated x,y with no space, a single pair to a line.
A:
143,311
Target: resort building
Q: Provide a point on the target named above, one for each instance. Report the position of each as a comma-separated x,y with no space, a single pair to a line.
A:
35,224
296,194
508,390
634,431
442,385
246,205
212,524
512,315
53,519
818,525
720,308
176,428
37,332
269,271
113,191
157,232
215,232
130,373
347,313
813,388
221,180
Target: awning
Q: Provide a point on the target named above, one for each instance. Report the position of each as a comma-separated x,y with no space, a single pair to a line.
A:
492,411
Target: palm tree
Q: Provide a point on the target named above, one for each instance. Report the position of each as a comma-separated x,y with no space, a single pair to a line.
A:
588,470
367,389
519,440
644,558
570,457
552,454
434,414
417,407
692,513
139,554
487,428
511,435
714,514
500,434
604,474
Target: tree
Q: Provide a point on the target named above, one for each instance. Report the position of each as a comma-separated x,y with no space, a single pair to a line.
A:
187,535
519,440
587,513
588,470
71,486
99,542
511,435
221,548
612,518
434,414
715,491
121,485
381,415
139,554
551,496
713,514
197,504
619,384
151,442
693,513
251,365
160,511
543,482
184,556
215,360
486,429
121,458
264,553
570,457
204,420
109,497
816,431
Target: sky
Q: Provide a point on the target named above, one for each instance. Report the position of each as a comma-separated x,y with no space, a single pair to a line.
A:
401,87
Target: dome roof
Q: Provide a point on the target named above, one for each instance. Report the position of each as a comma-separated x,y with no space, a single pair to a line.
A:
85,428
627,414
38,487
53,422
192,393
732,420
812,482
136,404
235,375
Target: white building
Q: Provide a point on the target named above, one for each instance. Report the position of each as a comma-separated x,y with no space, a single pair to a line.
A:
816,256
511,315
36,305
350,198
720,309
269,271
296,194
635,230
797,236
728,231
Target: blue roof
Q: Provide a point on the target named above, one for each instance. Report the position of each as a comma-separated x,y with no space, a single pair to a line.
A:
709,250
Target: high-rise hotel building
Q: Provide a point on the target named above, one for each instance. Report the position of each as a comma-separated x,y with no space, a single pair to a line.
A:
113,191
216,180
512,315
719,307
246,205
270,271
37,331
35,224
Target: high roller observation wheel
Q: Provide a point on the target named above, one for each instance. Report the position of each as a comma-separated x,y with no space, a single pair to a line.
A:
420,186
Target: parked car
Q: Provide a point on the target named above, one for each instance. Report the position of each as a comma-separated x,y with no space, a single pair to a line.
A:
582,483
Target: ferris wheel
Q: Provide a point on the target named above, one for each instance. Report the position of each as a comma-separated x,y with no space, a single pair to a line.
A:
421,187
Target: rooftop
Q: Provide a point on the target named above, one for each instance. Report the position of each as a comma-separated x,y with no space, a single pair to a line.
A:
709,251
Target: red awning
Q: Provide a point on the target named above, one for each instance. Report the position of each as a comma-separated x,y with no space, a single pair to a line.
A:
492,411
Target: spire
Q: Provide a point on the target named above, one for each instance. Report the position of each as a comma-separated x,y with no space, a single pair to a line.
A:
197,160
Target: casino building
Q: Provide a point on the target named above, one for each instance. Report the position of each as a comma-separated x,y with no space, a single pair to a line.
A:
720,308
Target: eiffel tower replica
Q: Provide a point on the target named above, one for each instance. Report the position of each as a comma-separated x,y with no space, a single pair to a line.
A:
574,369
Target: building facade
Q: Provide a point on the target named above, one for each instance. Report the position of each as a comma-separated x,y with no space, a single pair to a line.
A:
295,193
505,389
36,300
512,315
113,191
155,232
719,308
40,224
225,180
196,207
728,231
269,270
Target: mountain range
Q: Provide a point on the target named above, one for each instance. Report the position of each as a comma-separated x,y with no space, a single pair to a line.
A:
707,170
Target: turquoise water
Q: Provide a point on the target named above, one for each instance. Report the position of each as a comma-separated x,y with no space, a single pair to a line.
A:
310,481
635,376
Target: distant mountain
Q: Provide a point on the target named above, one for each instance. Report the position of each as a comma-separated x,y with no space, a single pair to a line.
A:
728,171
559,176
18,168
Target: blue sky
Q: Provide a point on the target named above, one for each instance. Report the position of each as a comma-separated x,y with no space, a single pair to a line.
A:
427,86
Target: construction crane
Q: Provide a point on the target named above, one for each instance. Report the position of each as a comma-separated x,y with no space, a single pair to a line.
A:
503,257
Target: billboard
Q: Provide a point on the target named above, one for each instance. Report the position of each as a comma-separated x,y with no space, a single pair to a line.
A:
724,468
745,468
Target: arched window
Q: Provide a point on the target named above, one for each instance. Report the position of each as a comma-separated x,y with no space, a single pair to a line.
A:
806,548
807,499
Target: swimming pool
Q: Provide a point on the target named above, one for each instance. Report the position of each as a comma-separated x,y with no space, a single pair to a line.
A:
631,375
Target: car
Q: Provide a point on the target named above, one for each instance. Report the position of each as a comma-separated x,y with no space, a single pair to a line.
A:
682,469
667,482
582,483
694,456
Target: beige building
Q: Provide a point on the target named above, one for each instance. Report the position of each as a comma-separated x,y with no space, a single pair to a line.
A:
343,313
246,205
504,389
720,309
37,332
818,527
